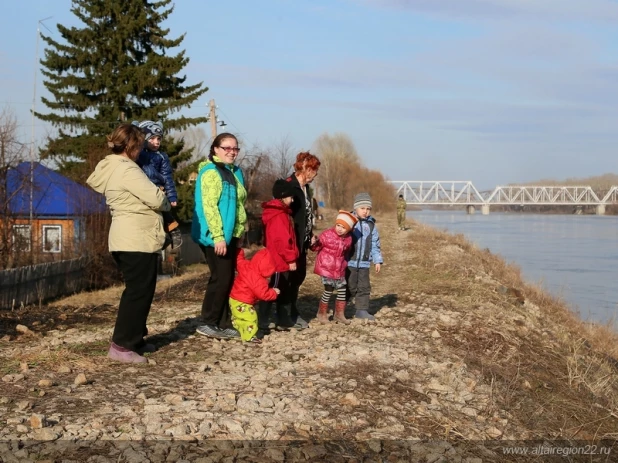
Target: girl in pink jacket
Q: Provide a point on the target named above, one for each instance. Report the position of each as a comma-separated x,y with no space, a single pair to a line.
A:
330,263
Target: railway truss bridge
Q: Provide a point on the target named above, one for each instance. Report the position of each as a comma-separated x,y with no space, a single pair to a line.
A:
453,193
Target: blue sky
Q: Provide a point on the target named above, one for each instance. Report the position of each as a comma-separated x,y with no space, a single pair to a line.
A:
491,91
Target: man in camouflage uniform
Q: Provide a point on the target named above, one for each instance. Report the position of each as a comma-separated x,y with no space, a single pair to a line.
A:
401,213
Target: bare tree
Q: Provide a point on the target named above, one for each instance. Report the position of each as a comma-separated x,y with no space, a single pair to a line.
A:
337,153
282,157
12,151
250,165
195,138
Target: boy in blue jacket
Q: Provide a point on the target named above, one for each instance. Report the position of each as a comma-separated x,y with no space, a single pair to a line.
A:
365,251
157,167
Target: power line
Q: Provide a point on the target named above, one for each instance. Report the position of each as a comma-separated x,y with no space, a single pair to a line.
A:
230,121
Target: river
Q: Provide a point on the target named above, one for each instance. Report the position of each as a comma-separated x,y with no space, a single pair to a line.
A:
574,257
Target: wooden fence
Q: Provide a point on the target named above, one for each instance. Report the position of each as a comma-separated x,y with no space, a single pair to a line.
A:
34,284
37,283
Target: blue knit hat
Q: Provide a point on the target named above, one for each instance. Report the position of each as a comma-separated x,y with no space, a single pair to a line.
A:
150,128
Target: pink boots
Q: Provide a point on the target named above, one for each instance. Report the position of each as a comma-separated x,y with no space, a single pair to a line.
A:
120,354
339,313
323,312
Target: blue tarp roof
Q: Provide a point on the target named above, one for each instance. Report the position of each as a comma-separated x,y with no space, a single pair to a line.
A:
52,193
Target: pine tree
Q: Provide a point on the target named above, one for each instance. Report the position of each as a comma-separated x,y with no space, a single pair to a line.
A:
118,67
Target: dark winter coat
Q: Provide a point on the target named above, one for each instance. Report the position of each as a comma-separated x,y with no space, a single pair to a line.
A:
332,251
157,167
299,214
279,235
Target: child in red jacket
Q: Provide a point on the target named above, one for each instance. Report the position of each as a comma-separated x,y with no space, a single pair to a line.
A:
330,263
279,236
251,286
280,240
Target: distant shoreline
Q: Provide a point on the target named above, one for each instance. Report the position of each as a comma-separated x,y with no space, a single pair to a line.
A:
494,209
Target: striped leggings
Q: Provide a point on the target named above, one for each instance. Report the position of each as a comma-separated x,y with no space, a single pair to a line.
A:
328,291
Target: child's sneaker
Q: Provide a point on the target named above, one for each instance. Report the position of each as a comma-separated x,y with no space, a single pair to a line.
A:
209,330
176,239
229,333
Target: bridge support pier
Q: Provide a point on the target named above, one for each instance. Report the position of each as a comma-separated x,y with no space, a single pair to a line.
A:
600,209
485,209
470,209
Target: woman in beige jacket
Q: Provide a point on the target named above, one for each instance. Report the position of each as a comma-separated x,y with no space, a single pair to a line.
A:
135,237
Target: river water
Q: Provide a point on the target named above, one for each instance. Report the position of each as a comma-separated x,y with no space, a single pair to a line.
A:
572,256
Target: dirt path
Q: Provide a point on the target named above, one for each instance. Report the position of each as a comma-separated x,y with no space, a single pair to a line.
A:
457,367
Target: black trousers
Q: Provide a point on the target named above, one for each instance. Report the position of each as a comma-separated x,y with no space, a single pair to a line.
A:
216,305
288,284
281,281
295,280
139,270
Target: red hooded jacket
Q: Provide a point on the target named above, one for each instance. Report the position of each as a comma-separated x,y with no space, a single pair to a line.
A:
250,284
279,236
332,251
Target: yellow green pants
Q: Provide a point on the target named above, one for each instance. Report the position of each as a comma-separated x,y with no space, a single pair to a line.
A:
244,319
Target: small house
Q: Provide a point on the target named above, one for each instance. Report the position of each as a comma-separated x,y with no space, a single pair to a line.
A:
45,212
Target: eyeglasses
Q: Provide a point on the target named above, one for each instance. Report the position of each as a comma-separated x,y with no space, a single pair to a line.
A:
229,149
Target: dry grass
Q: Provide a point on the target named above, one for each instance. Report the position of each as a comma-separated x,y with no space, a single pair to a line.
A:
548,368
112,294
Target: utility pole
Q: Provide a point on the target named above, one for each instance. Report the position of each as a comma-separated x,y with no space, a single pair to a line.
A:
36,68
212,115
214,121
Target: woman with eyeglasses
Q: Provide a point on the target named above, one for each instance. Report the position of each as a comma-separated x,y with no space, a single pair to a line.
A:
219,220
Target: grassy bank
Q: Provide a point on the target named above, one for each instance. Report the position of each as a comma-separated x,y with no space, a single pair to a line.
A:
555,374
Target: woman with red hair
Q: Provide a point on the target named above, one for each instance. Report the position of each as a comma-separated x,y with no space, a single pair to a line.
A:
305,170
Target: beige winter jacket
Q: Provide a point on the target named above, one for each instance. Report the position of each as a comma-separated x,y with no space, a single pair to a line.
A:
135,203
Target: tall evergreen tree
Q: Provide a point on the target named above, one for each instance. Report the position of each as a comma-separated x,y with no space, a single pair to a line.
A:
117,67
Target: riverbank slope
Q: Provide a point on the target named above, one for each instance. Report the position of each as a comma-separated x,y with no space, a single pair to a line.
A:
465,359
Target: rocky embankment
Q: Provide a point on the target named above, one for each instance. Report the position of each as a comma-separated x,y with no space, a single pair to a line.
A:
464,361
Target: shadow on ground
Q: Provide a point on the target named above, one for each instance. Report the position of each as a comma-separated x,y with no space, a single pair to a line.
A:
388,300
182,330
45,318
308,305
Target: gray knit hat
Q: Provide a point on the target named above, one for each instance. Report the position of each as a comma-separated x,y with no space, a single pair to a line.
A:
362,200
